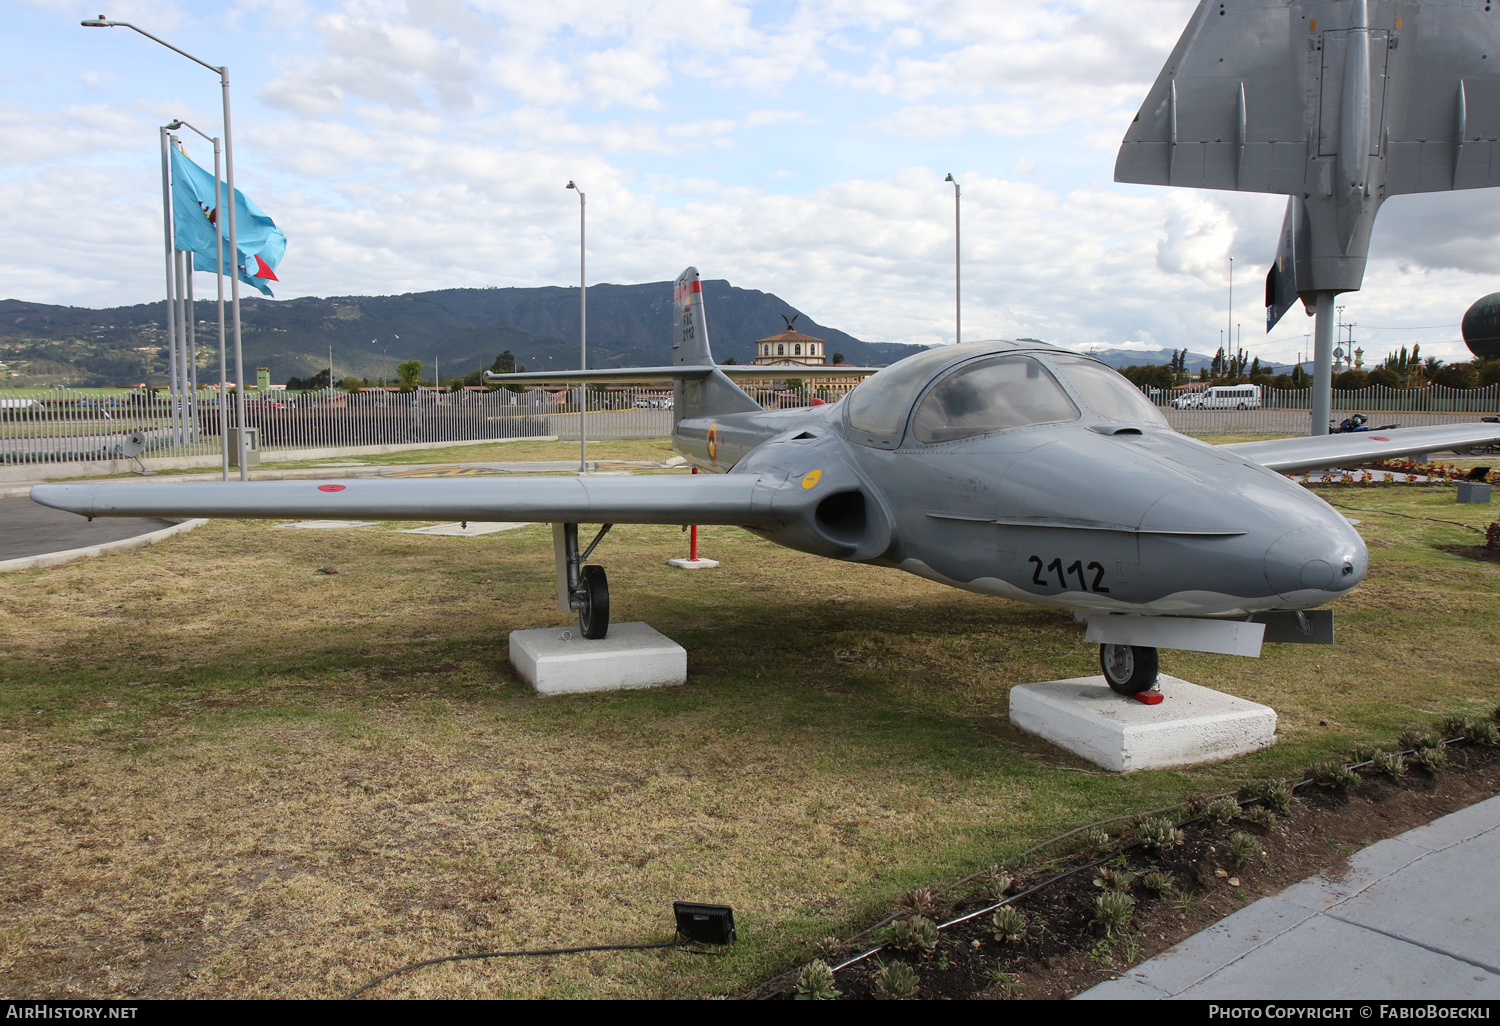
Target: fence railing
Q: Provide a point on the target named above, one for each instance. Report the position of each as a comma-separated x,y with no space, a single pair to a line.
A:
1287,411
63,425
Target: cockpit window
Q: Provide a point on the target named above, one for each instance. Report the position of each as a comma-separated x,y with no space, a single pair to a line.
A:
878,406
1108,392
991,395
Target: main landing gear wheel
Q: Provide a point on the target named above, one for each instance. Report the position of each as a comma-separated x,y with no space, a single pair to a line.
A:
1128,669
593,613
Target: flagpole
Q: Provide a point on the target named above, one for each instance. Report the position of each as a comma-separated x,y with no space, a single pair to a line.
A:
583,338
219,281
182,404
219,284
166,220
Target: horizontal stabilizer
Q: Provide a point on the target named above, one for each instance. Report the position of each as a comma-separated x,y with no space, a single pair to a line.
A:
652,499
1315,451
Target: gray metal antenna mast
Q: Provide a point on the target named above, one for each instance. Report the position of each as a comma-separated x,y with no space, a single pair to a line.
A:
1337,104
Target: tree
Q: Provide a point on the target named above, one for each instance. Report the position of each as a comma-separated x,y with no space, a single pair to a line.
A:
1351,380
838,357
409,373
1385,376
505,363
1456,375
731,362
315,383
474,377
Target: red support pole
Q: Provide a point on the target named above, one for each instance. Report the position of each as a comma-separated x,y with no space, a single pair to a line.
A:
693,537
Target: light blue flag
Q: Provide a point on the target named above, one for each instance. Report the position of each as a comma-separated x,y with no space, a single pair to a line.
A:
196,212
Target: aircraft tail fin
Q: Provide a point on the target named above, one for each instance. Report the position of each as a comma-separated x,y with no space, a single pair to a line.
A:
699,396
1291,273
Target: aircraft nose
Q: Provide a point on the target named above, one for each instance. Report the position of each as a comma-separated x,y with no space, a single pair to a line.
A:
1315,563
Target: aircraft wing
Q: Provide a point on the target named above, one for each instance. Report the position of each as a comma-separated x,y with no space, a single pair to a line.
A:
1314,451
1227,110
734,499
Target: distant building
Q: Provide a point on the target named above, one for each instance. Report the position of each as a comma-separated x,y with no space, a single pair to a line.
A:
791,346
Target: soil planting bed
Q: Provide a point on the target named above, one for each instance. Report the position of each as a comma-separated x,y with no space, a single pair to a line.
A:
1063,953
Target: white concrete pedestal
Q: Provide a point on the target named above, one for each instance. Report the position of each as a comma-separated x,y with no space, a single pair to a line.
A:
632,655
692,564
1191,725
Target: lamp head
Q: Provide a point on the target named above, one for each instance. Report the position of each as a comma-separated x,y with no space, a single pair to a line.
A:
949,178
570,185
99,22
172,126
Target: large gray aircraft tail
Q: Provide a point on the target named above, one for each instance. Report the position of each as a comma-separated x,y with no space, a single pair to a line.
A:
699,396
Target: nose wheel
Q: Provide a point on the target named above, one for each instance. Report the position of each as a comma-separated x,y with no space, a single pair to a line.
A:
1128,669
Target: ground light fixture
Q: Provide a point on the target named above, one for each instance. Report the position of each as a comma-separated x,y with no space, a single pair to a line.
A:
697,923
704,924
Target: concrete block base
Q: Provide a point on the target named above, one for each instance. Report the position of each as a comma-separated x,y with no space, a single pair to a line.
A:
1473,491
1191,725
560,660
693,564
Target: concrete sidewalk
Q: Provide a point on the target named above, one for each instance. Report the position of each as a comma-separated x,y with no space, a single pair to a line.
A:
1414,917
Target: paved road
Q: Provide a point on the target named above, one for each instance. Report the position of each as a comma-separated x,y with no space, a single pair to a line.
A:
1414,917
30,529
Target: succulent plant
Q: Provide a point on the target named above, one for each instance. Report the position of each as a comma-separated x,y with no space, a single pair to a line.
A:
1113,879
827,946
995,884
1113,910
1159,834
1009,924
1389,764
915,933
1430,760
897,982
1275,795
1158,882
1260,815
1471,729
816,983
1417,739
1479,732
1242,846
1334,774
918,901
1220,811
1096,838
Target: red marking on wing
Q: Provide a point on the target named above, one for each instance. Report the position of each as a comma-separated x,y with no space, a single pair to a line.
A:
1379,438
692,286
330,488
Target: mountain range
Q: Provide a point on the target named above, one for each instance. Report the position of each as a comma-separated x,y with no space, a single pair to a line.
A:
461,329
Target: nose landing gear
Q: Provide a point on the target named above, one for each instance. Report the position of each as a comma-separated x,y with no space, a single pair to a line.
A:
579,587
1128,669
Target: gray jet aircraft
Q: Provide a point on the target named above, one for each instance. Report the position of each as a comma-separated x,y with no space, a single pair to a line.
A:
1005,468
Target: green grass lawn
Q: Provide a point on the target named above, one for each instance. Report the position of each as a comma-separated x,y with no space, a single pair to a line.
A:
225,774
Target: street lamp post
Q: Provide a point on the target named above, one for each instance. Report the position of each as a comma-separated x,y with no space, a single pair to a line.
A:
957,277
234,281
583,341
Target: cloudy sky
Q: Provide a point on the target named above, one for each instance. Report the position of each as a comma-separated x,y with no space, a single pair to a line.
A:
797,148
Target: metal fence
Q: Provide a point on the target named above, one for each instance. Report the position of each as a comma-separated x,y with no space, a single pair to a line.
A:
64,425
1287,411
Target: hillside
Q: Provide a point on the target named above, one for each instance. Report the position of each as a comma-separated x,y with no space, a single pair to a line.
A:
463,329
